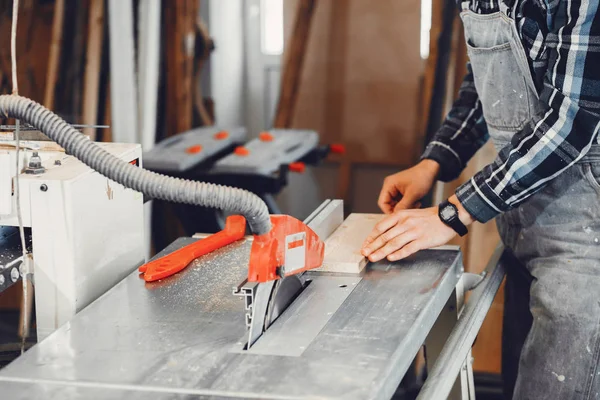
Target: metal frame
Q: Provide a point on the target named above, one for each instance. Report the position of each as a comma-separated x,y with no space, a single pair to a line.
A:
455,357
463,387
204,300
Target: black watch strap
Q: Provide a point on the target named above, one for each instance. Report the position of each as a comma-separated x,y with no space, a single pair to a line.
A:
453,221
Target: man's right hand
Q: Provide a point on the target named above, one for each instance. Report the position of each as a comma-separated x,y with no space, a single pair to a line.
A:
405,189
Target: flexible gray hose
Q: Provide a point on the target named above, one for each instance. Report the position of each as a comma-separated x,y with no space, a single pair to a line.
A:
149,183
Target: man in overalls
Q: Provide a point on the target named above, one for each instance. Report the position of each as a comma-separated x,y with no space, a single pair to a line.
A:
533,86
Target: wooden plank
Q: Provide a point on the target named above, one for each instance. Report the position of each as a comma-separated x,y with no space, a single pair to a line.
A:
123,77
107,135
38,49
92,66
55,47
358,93
204,46
342,248
180,19
24,37
293,65
437,9
149,13
76,65
336,72
439,97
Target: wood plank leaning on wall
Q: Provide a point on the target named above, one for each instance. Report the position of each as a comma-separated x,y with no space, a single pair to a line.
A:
92,66
180,17
293,64
55,46
360,85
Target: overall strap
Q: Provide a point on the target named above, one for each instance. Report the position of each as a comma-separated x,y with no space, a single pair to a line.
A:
510,10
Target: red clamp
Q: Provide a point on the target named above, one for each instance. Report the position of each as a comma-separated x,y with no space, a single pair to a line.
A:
235,228
337,148
298,167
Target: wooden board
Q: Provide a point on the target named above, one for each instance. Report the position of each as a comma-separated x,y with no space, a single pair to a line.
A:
342,248
93,62
293,64
123,75
55,48
360,81
180,17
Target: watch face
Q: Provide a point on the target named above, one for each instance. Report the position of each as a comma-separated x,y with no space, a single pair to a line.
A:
448,212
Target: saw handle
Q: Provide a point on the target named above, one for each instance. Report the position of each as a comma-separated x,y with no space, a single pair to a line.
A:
235,228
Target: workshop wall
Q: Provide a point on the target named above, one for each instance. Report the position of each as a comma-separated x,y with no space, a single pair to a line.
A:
360,86
361,78
35,22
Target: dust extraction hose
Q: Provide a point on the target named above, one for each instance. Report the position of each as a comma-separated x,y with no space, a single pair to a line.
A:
149,183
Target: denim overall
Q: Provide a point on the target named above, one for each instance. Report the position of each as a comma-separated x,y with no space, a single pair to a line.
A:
551,332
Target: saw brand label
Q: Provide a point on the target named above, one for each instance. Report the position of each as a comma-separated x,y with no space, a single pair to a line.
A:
295,252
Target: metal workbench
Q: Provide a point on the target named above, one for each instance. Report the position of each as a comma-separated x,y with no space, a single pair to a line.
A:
344,337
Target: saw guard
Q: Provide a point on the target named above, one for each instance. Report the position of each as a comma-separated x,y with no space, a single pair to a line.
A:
268,252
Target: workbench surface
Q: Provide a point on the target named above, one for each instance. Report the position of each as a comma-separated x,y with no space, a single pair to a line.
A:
343,337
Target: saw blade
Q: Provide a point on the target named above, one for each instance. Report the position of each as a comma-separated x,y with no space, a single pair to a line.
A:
270,301
284,292
260,306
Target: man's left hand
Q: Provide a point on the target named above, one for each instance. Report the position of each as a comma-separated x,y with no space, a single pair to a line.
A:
405,232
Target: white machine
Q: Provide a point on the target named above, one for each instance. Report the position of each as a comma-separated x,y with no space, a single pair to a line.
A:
87,232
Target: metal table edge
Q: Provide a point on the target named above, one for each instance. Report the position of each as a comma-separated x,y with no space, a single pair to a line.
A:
399,364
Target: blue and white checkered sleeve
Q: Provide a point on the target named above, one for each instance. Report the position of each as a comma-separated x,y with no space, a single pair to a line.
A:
563,132
462,133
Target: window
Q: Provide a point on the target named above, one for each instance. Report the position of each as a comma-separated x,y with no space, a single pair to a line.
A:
272,26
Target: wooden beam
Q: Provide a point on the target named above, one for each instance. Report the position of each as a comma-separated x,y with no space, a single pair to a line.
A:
124,103
204,46
181,29
293,63
107,135
149,31
437,9
55,48
435,110
92,66
342,248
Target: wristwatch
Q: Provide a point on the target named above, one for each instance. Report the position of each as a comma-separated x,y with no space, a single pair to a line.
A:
448,213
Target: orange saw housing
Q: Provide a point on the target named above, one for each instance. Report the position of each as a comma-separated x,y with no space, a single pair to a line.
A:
268,251
267,254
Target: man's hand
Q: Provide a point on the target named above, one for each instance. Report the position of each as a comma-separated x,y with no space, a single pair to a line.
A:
407,231
405,189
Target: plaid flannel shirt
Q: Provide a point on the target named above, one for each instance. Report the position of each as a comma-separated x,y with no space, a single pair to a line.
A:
562,42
